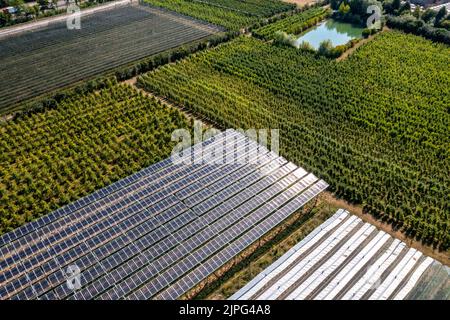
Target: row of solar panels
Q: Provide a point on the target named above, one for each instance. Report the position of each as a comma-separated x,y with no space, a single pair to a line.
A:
168,225
344,258
86,212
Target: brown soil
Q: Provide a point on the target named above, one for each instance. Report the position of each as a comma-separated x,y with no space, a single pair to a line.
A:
132,82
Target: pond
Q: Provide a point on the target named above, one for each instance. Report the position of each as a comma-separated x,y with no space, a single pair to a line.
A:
337,32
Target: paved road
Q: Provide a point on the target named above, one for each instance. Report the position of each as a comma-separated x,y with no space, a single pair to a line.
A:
22,27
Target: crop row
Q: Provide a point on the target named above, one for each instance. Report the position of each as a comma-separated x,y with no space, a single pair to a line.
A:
263,8
375,126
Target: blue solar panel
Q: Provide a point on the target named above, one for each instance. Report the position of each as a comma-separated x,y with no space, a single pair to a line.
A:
154,197
199,238
145,234
213,263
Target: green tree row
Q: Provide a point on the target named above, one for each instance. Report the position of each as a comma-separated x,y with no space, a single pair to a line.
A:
261,8
232,15
376,126
85,142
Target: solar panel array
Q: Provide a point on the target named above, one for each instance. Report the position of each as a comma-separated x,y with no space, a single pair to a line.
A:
157,233
347,259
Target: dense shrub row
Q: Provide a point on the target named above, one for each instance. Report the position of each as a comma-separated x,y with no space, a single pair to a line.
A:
107,40
87,140
51,100
416,26
260,8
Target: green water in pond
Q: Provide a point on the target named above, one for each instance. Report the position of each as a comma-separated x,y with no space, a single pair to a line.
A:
337,32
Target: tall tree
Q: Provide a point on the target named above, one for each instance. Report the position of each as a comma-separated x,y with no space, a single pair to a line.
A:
428,15
4,18
344,8
416,12
440,16
335,4
396,4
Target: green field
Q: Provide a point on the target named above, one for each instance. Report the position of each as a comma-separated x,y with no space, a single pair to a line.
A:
51,158
231,14
376,126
